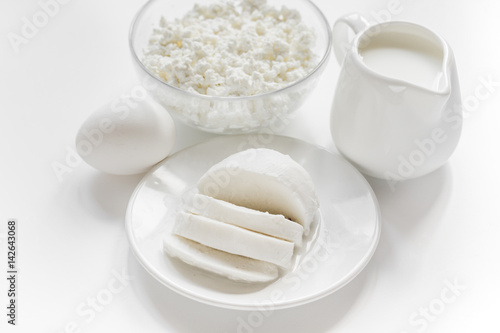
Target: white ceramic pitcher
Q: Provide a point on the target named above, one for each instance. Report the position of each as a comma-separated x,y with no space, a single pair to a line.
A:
397,111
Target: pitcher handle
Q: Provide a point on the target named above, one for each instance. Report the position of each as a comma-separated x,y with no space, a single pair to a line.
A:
342,33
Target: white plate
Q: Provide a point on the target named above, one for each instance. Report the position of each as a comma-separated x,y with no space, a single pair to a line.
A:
346,236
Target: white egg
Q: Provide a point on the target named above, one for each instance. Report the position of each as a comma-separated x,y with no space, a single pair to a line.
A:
126,138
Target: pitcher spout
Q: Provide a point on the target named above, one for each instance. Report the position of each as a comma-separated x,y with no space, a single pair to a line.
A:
434,101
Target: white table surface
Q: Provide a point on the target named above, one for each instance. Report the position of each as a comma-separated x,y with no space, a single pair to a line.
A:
436,268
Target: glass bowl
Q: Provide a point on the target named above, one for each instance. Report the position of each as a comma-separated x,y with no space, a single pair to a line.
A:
231,114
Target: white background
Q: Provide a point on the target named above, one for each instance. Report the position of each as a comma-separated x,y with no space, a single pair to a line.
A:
438,230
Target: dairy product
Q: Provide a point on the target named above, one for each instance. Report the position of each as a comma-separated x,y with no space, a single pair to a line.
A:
269,224
232,239
230,265
254,205
265,180
416,61
230,48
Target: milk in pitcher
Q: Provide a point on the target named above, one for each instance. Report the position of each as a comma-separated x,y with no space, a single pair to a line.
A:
417,60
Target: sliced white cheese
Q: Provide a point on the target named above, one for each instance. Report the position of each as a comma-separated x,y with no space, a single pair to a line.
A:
222,263
263,222
233,239
266,180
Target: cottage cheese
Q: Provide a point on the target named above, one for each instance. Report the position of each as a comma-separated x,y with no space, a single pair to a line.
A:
232,48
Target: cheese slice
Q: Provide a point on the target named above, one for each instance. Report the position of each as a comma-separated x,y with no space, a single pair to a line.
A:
251,219
233,239
266,180
232,266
